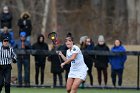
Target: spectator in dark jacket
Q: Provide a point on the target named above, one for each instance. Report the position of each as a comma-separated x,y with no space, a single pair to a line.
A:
101,61
40,58
89,45
55,65
117,63
25,24
6,18
23,59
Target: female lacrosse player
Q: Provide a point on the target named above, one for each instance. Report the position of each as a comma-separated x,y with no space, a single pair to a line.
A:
78,69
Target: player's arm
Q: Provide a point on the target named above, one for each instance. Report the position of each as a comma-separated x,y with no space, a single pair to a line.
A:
62,56
69,60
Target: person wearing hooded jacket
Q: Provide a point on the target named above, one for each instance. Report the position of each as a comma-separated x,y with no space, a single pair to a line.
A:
101,61
25,24
117,63
40,58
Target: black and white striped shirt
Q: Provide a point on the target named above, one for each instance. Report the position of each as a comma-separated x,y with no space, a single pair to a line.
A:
6,55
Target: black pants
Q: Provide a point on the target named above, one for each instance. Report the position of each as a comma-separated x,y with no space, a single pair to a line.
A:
55,79
5,77
114,74
90,74
39,67
99,72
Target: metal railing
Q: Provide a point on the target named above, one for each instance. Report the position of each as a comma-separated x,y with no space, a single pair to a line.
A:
129,53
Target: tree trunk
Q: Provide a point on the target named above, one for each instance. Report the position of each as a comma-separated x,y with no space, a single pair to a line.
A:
132,21
20,5
45,16
138,21
53,16
120,20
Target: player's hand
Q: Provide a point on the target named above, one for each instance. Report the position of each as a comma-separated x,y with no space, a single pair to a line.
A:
59,53
62,65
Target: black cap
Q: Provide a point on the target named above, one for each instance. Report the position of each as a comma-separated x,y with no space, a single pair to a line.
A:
5,38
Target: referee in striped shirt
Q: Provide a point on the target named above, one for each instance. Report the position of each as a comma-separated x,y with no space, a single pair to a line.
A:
7,56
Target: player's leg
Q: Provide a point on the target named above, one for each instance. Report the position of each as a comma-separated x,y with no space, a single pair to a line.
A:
69,84
75,85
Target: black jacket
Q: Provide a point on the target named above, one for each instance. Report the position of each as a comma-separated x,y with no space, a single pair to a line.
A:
88,58
40,55
101,61
6,20
55,60
25,27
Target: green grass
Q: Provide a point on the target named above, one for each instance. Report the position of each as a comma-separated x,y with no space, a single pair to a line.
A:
62,90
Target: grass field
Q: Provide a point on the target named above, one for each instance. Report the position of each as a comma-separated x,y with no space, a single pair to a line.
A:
62,90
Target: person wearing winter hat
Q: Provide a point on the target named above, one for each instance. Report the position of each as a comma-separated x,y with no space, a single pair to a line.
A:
101,39
5,41
101,61
83,41
22,34
23,59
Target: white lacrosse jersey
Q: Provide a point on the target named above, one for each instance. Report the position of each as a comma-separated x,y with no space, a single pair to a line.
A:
78,63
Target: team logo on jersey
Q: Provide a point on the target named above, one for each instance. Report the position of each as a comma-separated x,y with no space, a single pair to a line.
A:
73,61
74,49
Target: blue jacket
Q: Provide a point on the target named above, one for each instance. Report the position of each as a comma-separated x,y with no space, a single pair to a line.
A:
18,45
117,62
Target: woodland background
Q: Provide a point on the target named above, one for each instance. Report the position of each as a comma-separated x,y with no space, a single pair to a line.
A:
115,19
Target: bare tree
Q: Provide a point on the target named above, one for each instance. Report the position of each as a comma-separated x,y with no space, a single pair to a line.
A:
53,16
132,21
45,16
20,5
138,21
